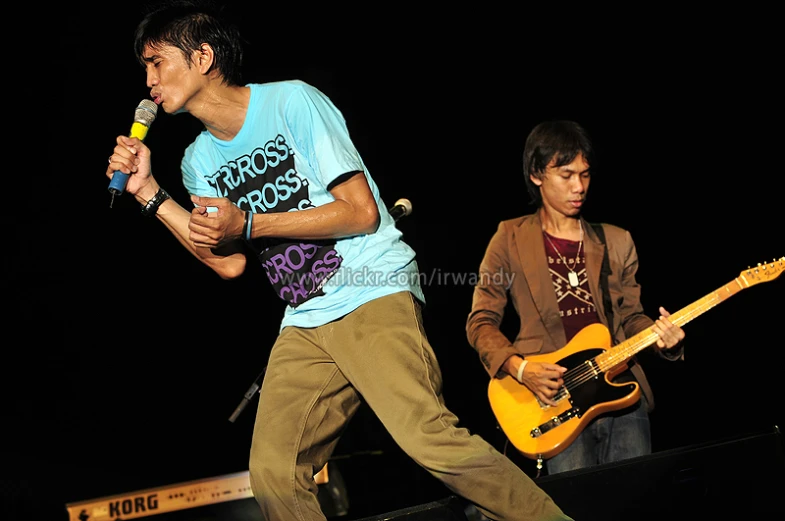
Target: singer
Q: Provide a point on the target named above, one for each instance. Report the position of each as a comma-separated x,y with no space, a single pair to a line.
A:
315,212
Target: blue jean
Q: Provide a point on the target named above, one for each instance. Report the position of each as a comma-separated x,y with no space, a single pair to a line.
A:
606,439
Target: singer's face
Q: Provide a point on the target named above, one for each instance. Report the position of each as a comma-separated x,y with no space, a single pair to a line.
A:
173,83
563,188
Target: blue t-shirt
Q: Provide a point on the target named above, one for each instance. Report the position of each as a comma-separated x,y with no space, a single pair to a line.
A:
293,144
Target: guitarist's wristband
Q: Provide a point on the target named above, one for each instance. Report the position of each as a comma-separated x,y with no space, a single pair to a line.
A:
520,371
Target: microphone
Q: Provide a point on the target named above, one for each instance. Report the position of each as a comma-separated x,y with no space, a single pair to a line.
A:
143,118
401,208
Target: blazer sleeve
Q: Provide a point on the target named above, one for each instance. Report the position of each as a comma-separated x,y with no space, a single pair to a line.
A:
488,303
633,319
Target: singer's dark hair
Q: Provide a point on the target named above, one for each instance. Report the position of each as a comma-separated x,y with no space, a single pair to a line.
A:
187,25
558,140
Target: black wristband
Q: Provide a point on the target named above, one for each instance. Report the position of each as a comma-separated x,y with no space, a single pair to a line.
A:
151,208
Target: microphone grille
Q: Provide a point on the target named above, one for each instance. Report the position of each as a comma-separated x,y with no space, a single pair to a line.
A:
407,205
145,112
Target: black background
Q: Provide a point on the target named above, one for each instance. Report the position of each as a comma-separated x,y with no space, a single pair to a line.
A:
124,356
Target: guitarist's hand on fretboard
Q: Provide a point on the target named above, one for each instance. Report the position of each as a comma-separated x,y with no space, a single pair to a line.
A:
670,335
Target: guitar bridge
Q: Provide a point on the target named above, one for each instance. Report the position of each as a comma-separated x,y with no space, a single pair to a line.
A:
561,394
554,422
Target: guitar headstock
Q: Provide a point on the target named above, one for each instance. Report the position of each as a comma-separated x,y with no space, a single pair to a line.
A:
763,272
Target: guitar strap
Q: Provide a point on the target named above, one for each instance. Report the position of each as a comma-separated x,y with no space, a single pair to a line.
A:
605,272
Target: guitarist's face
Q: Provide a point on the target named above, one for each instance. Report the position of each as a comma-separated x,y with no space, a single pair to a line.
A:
563,188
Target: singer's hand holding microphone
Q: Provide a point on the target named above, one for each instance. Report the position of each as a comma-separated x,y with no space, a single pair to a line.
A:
129,165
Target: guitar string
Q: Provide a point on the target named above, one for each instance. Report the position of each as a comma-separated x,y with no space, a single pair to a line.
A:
585,372
579,375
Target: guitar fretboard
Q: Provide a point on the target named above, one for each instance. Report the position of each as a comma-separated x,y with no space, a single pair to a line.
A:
625,350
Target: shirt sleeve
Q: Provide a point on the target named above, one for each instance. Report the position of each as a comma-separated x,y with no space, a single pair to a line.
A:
194,182
320,133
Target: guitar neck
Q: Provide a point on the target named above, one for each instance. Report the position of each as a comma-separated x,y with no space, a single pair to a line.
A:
624,351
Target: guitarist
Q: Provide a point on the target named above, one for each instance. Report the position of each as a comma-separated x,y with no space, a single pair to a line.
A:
560,273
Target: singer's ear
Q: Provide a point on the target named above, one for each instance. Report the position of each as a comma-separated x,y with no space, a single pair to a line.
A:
204,57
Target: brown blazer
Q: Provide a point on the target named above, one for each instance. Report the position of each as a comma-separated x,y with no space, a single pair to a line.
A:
515,267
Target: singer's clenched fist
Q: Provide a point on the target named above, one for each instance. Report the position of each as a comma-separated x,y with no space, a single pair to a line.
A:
209,229
131,156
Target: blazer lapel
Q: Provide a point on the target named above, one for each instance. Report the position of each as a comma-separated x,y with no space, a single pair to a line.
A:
531,252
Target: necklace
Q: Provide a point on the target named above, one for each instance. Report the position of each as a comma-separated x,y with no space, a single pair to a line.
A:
571,275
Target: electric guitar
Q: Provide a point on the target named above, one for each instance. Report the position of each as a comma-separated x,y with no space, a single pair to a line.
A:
540,431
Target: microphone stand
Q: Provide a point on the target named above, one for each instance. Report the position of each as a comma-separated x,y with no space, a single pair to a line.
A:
255,386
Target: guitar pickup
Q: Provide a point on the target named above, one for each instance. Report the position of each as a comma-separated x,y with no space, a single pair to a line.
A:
554,422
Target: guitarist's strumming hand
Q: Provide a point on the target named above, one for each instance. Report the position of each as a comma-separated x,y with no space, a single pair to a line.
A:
543,379
670,335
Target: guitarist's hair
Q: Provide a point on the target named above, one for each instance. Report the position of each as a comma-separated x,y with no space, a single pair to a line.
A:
558,140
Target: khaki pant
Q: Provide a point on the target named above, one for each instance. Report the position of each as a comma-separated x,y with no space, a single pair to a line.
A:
312,388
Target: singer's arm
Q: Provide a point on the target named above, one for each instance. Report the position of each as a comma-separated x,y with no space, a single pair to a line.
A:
228,261
353,212
208,234
132,157
213,236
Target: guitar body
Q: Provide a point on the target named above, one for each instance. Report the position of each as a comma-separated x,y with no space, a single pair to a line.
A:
543,431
